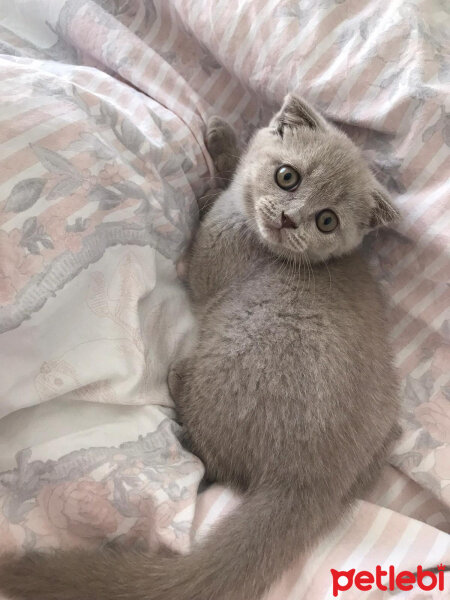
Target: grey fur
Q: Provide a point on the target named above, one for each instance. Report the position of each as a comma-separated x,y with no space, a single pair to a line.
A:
290,396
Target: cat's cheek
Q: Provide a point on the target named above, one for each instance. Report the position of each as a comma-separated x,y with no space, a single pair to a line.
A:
323,247
350,242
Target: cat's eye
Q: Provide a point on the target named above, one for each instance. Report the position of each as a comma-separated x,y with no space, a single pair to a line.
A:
326,221
287,178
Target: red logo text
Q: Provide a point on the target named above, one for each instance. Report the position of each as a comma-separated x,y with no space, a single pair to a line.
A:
388,580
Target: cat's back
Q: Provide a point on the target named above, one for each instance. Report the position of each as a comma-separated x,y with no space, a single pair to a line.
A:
303,349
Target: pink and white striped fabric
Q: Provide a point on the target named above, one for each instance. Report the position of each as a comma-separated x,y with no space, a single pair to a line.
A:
102,113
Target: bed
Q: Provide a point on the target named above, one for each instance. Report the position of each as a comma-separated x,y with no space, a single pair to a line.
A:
103,108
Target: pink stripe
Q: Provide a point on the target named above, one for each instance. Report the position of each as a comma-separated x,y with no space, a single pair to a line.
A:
440,304
420,162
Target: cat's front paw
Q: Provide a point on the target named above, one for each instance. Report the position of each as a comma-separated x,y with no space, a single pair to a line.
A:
175,379
222,145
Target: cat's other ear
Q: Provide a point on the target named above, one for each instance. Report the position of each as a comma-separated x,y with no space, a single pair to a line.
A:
295,112
383,212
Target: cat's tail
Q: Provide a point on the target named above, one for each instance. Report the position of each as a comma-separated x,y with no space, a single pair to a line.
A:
240,560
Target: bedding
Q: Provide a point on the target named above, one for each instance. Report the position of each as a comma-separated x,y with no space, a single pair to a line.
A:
102,161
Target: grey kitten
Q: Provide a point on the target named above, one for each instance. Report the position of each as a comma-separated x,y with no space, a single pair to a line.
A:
290,396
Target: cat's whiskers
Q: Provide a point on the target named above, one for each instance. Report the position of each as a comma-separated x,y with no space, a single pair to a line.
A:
211,196
282,268
311,270
229,180
292,272
329,273
300,265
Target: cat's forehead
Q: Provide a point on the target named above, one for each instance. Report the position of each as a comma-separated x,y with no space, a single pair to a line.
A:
317,147
322,156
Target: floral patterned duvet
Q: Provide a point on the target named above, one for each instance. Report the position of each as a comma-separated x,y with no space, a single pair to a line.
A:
102,115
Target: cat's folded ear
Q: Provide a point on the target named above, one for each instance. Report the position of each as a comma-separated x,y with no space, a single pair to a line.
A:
383,211
295,112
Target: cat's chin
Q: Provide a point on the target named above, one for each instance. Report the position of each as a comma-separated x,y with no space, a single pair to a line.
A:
274,243
277,246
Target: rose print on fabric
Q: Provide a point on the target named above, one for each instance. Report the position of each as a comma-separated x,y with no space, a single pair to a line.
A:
71,208
97,494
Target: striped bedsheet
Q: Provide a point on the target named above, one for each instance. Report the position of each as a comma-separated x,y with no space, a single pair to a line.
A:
102,116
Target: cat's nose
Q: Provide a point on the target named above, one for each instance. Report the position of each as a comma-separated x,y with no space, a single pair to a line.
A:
287,222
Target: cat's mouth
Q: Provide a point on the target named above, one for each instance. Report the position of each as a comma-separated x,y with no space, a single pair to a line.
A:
271,232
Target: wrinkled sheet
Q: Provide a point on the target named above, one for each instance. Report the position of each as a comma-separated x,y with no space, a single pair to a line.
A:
102,117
